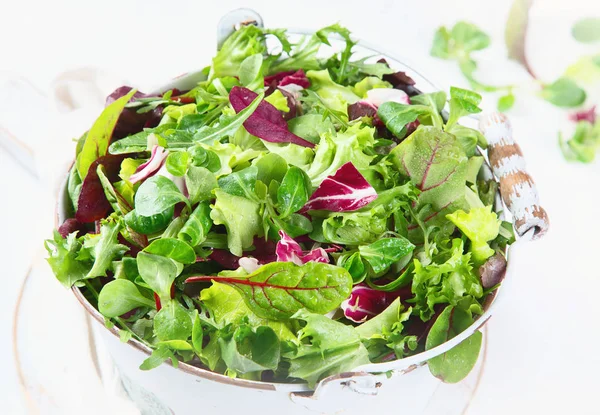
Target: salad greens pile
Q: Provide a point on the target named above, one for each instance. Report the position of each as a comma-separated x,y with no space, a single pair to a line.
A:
289,218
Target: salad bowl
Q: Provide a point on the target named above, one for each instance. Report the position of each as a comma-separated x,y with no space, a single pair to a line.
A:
189,388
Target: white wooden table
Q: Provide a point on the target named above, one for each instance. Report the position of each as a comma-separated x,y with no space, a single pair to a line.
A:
542,349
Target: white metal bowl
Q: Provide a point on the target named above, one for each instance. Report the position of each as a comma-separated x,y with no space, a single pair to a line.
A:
189,389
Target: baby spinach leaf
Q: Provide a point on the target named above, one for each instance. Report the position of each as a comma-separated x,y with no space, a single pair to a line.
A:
279,289
293,192
158,272
158,356
147,225
251,350
177,162
156,195
200,183
172,322
99,136
455,364
333,347
172,248
564,92
384,252
227,126
196,227
119,297
396,116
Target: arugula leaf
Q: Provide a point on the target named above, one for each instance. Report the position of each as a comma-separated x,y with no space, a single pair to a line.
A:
480,225
172,248
279,289
158,356
196,227
103,248
384,252
119,297
341,68
156,195
455,364
333,347
564,92
98,137
172,322
293,192
241,218
158,272
227,125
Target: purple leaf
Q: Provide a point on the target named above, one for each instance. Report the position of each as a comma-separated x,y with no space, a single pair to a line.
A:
92,204
288,250
584,115
150,167
287,78
365,303
345,191
71,225
266,122
361,109
400,80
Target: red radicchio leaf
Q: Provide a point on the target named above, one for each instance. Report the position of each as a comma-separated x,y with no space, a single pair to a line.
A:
92,204
151,166
266,122
584,115
365,303
286,78
288,250
345,191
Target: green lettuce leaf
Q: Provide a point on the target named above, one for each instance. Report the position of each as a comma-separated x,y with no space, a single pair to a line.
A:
62,257
480,225
241,218
103,248
451,281
245,42
335,96
332,347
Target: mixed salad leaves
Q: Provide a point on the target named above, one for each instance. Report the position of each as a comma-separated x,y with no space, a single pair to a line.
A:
289,218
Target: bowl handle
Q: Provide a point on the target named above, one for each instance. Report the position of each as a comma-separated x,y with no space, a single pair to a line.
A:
517,188
233,20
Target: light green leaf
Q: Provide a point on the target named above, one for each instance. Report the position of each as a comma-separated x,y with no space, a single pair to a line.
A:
172,248
564,92
158,272
119,297
587,30
156,195
172,322
98,137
